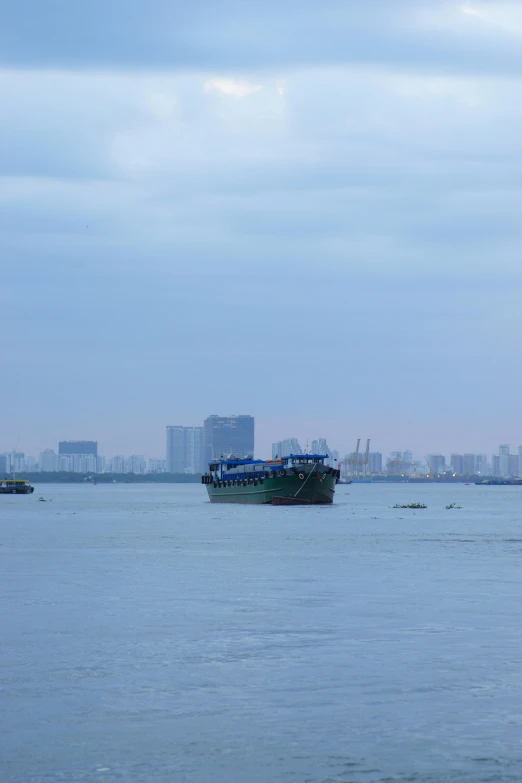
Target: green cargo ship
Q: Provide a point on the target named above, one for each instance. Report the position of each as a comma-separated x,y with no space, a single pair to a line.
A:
299,479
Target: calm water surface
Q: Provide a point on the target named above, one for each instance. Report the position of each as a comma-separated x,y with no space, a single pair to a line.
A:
147,635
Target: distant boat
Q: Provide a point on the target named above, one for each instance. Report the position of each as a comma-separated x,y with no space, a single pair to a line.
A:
499,482
15,487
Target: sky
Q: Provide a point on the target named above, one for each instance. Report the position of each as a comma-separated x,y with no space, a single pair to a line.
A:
308,212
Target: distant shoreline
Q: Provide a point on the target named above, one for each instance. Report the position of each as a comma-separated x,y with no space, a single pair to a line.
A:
108,478
184,478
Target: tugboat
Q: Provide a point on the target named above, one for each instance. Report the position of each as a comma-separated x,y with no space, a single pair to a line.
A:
15,487
299,479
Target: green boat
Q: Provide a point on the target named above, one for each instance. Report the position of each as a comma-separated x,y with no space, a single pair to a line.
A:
299,479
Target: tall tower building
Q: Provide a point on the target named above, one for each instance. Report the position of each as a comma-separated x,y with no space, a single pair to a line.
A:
228,435
185,450
375,458
470,467
283,448
457,463
78,447
320,446
503,452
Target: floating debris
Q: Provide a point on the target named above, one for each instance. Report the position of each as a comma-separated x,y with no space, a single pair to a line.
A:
410,505
453,505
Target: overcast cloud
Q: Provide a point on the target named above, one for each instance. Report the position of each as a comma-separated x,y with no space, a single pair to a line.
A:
305,211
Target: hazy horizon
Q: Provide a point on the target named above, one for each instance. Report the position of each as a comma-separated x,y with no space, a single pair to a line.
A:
309,213
263,445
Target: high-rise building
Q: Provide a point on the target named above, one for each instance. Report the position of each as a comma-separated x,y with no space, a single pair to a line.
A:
512,465
78,447
481,464
135,464
470,466
116,464
81,463
503,460
457,463
320,446
15,462
48,461
283,448
228,435
375,459
185,452
3,464
156,465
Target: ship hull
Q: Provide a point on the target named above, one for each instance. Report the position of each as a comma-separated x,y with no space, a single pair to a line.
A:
280,490
18,491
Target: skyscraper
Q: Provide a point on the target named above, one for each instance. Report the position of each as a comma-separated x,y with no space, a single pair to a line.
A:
78,447
503,462
185,449
470,467
320,446
282,448
135,464
375,459
457,463
481,463
226,435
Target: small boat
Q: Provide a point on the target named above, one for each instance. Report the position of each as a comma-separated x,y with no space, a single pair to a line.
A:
15,487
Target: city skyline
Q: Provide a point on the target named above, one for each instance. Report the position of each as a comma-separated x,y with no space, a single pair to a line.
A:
131,444
186,447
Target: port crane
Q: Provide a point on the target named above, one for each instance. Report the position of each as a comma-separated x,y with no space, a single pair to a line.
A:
399,466
430,469
353,464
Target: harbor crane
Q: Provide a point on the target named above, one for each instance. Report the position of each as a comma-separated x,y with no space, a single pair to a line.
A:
355,465
430,469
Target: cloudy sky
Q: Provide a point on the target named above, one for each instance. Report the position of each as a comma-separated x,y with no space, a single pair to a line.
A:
307,211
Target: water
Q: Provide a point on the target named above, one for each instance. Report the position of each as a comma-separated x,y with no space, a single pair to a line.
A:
150,636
